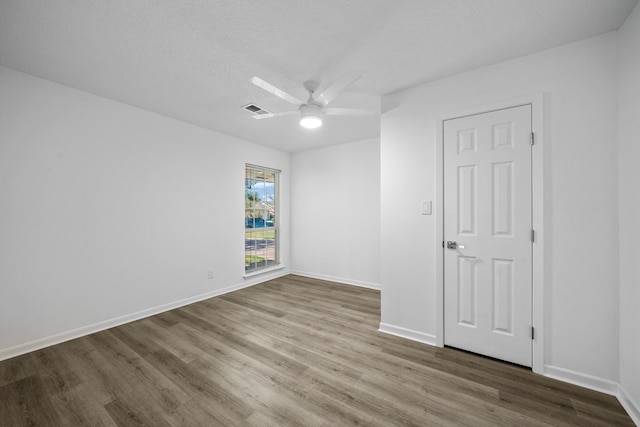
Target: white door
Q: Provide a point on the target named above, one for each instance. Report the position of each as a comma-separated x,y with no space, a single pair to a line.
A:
487,215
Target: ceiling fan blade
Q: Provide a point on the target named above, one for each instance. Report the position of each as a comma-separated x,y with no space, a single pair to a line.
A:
274,90
332,91
272,115
348,112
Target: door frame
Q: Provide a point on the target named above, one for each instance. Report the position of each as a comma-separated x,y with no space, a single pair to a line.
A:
537,194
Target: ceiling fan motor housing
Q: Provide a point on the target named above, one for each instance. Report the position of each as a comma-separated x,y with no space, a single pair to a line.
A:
310,110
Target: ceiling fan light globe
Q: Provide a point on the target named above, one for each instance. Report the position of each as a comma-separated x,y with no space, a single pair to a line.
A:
310,122
310,116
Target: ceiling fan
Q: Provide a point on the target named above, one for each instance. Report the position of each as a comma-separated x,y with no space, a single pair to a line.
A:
315,108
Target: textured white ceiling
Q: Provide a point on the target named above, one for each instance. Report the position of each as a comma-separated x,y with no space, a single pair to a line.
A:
192,60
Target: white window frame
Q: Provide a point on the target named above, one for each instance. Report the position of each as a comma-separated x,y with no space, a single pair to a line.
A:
276,222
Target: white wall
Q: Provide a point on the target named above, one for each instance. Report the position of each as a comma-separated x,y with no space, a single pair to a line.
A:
108,211
335,213
629,194
579,82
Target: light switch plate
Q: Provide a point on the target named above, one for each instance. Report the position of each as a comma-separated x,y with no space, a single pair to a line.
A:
425,207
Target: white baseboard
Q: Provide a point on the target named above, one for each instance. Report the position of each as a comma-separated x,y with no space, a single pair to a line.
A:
582,380
360,283
40,343
407,333
597,384
629,405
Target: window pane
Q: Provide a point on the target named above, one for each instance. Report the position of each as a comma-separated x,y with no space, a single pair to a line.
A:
260,249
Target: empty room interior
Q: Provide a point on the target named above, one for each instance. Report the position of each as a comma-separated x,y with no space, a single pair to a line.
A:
439,224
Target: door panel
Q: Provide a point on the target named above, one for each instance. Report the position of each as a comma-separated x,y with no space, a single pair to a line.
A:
502,309
502,213
488,214
467,200
467,291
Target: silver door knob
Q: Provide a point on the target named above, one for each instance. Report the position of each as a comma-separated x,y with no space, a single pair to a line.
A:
454,245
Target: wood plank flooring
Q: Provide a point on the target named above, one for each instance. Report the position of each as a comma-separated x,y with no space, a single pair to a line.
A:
291,351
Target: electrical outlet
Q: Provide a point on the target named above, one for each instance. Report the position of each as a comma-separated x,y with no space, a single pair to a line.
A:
211,273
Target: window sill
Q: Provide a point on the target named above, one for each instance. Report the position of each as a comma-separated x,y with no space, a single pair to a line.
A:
263,270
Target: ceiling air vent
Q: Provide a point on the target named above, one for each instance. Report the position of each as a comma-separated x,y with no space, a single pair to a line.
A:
254,109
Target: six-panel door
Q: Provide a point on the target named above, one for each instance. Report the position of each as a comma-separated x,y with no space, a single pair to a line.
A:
487,212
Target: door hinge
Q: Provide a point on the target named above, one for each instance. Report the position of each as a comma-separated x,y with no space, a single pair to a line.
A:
533,333
443,243
533,236
533,138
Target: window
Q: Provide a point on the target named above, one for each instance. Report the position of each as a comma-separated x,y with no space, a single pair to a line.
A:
260,218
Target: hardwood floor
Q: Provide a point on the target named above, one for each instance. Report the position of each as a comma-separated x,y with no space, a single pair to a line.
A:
291,351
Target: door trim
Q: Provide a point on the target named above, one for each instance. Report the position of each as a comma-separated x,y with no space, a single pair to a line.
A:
537,181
